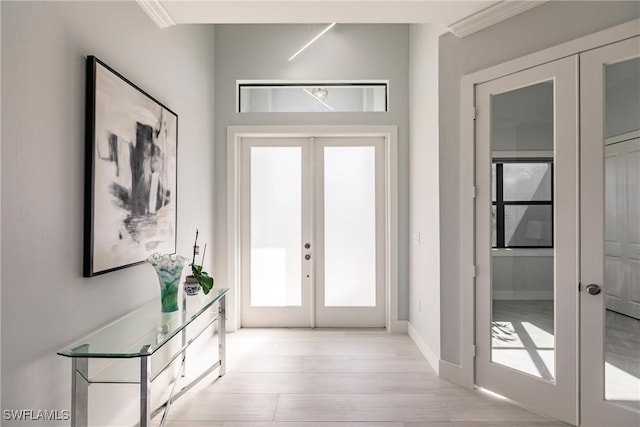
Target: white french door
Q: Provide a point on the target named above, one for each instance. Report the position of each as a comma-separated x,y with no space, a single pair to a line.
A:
610,237
349,220
312,232
558,236
527,237
276,207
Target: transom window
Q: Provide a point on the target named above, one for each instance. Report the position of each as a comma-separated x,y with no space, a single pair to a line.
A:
279,96
522,203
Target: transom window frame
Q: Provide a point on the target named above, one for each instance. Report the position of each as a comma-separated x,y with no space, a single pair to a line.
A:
311,84
500,203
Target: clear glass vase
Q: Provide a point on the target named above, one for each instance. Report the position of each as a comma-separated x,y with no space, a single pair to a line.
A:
169,270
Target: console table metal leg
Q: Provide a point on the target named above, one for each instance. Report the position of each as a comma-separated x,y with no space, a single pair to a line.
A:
222,334
184,334
145,392
79,392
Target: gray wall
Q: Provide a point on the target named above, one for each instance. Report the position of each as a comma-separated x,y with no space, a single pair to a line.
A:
424,262
542,27
346,52
46,304
522,277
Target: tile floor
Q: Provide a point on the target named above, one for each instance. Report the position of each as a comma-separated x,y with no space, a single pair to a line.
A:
336,378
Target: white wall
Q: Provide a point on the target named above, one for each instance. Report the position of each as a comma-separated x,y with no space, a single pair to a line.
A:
46,304
534,30
376,52
424,217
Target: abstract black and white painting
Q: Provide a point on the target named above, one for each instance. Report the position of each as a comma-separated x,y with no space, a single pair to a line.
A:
131,176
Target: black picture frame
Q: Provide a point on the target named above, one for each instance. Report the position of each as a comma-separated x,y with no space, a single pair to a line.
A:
131,159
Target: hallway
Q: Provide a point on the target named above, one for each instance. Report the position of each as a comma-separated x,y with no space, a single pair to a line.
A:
336,378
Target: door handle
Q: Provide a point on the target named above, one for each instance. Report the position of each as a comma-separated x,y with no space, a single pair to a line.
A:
593,289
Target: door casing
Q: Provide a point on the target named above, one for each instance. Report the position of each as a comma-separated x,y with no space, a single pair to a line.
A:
235,134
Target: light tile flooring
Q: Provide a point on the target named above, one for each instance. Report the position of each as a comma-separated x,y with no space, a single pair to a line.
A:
336,378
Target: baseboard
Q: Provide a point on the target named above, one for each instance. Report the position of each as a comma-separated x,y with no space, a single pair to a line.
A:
424,348
522,295
398,327
454,373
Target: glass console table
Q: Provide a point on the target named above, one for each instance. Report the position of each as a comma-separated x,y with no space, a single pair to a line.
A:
139,335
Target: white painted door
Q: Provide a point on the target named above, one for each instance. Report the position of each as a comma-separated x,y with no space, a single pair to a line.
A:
276,208
312,232
610,237
527,237
350,233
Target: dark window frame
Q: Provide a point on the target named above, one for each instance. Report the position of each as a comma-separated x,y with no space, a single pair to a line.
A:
500,203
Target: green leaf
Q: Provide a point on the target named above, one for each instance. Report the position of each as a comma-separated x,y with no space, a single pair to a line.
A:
202,277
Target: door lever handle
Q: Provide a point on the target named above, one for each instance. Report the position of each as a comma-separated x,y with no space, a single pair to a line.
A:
593,289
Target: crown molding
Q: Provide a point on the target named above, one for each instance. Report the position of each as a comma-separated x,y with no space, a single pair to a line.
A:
157,13
491,16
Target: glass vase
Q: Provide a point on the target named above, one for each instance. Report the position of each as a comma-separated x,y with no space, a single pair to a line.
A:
169,270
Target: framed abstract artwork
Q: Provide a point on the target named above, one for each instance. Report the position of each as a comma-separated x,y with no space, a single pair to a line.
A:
131,173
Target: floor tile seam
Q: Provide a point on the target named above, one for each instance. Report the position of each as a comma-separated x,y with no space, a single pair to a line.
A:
449,421
275,409
366,372
368,356
338,393
353,393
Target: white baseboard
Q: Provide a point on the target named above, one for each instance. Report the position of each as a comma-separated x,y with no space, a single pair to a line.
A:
455,374
522,295
424,348
398,327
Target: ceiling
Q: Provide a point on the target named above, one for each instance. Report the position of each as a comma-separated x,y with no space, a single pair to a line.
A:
461,16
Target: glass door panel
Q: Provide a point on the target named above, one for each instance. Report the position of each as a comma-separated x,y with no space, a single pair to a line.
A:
526,238
622,233
610,272
523,280
349,227
276,226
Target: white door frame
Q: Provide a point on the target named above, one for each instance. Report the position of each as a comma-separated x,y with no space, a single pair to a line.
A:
464,373
390,135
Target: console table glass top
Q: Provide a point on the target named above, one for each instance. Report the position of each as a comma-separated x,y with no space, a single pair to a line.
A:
143,331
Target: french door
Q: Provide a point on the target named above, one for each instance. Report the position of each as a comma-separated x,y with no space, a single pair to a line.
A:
312,232
527,237
610,238
558,236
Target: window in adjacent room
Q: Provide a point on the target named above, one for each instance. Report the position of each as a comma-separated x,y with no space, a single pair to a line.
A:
522,203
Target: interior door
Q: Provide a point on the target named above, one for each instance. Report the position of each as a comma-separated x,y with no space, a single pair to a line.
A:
527,237
312,234
610,237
